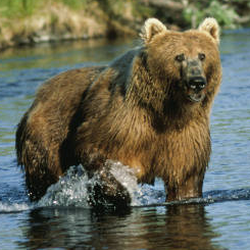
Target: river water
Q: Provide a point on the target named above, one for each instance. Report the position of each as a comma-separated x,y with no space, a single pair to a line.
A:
63,220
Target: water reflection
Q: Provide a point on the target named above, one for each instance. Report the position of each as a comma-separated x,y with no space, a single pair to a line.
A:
54,55
173,227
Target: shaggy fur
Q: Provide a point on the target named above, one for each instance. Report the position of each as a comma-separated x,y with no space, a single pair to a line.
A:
139,111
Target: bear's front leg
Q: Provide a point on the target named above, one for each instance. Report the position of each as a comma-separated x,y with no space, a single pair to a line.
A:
190,187
107,191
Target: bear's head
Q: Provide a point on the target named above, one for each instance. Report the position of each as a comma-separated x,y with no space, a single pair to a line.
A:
185,64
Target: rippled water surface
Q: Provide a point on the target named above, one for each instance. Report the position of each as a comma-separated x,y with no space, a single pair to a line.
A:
63,220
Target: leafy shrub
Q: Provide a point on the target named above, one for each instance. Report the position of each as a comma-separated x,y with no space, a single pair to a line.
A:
224,14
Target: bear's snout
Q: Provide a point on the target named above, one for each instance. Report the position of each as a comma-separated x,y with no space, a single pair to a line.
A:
197,83
194,79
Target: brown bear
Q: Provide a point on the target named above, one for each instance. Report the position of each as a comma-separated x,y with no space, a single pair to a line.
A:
149,109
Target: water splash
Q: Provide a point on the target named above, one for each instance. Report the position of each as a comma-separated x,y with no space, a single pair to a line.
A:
73,188
141,195
70,190
14,207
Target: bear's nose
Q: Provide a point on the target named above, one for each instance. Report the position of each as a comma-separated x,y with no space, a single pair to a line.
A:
197,83
195,71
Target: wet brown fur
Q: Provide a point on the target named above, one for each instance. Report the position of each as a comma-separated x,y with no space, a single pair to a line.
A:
133,111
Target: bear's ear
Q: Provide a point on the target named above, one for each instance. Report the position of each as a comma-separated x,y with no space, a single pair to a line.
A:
211,26
151,27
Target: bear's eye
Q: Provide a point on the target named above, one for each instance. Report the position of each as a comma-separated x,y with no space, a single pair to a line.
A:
202,56
180,58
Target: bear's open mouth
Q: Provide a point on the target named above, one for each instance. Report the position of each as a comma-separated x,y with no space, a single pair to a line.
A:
196,97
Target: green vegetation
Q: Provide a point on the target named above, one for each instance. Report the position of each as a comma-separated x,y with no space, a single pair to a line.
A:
16,8
31,21
225,11
225,14
22,8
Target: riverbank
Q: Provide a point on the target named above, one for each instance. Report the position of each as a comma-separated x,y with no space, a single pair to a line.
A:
56,21
34,21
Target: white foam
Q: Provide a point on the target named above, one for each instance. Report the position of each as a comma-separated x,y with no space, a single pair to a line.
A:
14,207
126,176
70,190
141,195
